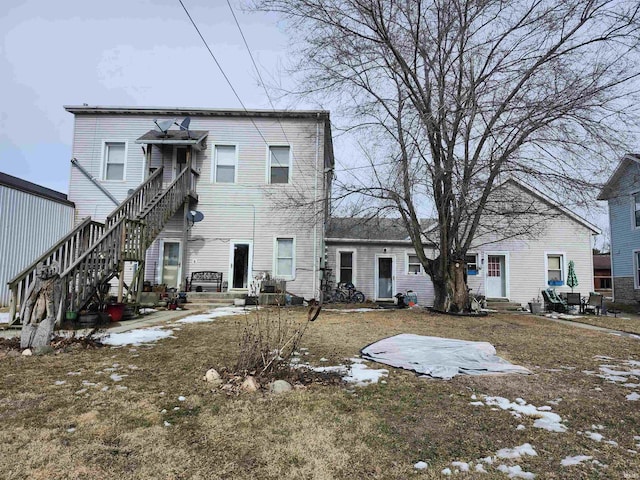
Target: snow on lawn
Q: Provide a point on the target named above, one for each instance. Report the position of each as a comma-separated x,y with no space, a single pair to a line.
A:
620,375
577,460
136,337
516,472
357,373
543,417
213,314
517,452
504,454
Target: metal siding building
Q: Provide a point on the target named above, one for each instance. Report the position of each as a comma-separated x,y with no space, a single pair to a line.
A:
32,218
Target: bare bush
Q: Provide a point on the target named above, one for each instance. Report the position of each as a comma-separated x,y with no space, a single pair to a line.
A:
267,340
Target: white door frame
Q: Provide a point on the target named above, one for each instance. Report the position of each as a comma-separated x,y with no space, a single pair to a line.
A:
507,287
376,273
161,262
232,244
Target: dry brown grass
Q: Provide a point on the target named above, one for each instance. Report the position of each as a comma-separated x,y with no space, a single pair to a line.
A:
321,432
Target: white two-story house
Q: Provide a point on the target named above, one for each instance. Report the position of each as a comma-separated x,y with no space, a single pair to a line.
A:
259,180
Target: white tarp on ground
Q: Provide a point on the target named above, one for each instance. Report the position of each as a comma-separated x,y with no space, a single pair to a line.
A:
439,357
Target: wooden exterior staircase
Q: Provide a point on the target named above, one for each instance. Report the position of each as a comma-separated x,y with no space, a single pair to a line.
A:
93,253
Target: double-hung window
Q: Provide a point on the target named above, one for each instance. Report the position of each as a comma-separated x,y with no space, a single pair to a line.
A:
636,268
413,264
114,161
346,267
472,263
279,164
555,269
285,258
636,209
225,164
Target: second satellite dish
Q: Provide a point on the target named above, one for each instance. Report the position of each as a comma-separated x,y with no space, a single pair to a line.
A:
196,216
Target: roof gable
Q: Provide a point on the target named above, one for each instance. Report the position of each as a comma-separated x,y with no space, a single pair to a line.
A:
612,186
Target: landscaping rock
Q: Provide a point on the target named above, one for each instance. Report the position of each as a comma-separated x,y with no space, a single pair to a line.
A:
212,376
280,386
250,385
27,352
43,350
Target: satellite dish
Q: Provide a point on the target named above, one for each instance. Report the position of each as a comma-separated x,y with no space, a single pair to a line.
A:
184,125
196,216
164,125
130,192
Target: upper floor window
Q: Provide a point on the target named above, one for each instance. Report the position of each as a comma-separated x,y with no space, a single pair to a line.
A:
413,264
636,209
279,164
472,263
555,269
285,258
225,164
636,273
345,267
114,160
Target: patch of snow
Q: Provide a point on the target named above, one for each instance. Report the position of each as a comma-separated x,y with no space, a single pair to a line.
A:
462,466
324,359
603,357
597,427
612,442
136,337
555,401
104,389
545,408
594,436
480,468
487,460
87,383
213,314
115,377
631,385
543,419
474,397
4,317
516,472
420,465
81,391
147,311
577,460
362,375
74,373
517,452
477,404
167,424
60,382
181,398
633,397
521,427
121,388
176,408
446,471
71,430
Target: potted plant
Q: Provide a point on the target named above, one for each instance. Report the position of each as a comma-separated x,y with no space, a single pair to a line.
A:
535,305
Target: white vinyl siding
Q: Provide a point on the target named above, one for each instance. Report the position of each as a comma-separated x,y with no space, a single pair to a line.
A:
279,164
285,258
414,266
226,164
114,161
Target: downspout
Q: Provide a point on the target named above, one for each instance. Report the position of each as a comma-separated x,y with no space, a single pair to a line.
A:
76,164
315,213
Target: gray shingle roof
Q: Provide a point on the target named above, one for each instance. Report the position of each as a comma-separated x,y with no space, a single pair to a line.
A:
369,228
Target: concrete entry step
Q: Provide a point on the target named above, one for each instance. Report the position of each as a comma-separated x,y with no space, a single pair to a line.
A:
502,305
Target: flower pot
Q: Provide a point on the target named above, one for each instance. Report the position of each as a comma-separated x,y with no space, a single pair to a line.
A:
115,310
72,316
535,308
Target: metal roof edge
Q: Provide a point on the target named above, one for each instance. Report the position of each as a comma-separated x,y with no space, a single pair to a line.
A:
195,111
605,192
35,189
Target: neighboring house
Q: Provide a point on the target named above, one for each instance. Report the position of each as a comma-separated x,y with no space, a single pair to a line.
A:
32,218
259,178
379,259
602,273
622,192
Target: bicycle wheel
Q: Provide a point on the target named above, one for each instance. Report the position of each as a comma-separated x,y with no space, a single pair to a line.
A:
358,297
341,297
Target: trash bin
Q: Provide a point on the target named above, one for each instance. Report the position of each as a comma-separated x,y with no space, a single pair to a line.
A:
115,310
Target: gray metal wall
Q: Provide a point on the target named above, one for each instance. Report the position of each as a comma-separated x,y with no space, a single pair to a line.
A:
29,225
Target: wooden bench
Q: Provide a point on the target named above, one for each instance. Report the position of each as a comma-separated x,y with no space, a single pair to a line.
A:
205,282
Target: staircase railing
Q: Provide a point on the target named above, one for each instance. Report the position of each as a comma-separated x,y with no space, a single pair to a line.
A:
135,203
156,215
98,265
65,252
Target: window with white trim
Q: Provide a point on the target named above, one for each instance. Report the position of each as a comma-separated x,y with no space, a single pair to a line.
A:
636,258
636,209
285,258
555,269
413,264
279,164
114,161
471,261
346,267
225,164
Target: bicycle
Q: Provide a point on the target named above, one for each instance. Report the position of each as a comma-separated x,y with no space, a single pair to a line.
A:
347,293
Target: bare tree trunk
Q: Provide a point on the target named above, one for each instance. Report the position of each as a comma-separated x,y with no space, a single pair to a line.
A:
450,288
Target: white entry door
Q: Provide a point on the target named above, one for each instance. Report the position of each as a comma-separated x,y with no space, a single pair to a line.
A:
496,276
170,263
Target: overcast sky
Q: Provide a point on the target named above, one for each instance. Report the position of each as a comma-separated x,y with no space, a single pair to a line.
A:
117,52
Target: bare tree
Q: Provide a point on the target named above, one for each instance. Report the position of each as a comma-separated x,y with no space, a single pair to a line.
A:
457,95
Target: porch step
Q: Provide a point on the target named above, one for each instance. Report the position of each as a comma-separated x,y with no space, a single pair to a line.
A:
502,305
206,297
